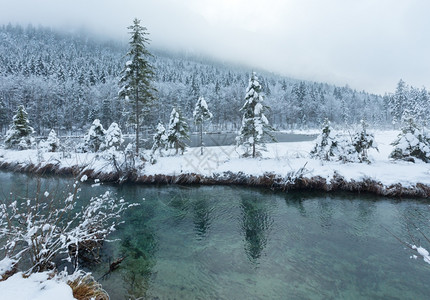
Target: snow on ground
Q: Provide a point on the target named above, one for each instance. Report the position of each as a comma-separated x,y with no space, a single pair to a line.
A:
35,287
280,158
6,264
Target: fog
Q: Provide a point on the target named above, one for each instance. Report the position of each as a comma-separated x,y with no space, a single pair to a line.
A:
366,44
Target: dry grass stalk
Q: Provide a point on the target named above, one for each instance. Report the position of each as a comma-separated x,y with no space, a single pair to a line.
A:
86,288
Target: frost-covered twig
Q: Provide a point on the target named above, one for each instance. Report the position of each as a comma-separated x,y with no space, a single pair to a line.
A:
418,249
37,231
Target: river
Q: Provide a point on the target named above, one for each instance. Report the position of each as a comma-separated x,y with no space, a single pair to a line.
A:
227,242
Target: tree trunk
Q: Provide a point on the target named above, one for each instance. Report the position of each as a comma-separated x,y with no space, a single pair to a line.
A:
201,138
137,121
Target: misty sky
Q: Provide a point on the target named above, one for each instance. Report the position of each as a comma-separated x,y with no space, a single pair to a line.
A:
368,44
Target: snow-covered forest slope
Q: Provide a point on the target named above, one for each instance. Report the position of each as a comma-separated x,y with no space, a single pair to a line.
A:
65,81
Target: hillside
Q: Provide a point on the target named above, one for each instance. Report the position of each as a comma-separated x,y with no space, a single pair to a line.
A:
67,80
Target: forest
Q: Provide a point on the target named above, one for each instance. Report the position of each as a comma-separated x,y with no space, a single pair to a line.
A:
67,80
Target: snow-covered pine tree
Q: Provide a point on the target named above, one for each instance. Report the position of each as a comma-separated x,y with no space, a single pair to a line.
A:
201,114
411,143
363,141
178,131
160,139
95,137
326,143
113,138
19,134
136,78
52,143
398,101
255,126
3,114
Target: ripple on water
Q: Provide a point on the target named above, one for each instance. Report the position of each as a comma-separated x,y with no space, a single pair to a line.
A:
245,243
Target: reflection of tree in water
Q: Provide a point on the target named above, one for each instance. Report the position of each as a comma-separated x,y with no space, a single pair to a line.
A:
139,245
256,221
296,200
139,249
201,216
326,209
197,205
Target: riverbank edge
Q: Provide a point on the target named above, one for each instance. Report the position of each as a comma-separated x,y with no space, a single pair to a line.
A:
267,180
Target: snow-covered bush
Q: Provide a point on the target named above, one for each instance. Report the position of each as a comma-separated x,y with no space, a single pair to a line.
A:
326,147
412,143
362,141
52,143
343,148
127,164
95,137
113,138
354,148
177,133
36,232
19,134
160,139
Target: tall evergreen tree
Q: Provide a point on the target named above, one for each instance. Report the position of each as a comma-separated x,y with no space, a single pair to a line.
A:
136,86
255,126
398,102
201,113
3,115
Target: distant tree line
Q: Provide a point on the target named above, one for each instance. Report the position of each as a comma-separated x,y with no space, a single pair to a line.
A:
65,81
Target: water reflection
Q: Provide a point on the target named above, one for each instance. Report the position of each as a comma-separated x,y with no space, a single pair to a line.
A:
139,246
201,216
241,243
256,222
326,212
296,200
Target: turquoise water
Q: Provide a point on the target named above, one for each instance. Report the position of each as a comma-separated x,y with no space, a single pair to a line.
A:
243,243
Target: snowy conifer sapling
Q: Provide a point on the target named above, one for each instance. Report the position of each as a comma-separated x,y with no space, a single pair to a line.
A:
201,114
178,131
363,141
113,138
412,142
52,143
326,144
160,139
95,137
136,78
19,134
255,126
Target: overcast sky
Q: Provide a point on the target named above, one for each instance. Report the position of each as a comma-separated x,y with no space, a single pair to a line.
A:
368,44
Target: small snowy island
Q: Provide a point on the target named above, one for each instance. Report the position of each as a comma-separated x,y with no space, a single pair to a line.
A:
288,165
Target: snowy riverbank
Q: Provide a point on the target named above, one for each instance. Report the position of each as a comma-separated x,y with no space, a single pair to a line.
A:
222,165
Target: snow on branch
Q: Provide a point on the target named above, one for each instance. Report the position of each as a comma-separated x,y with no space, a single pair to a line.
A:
37,231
